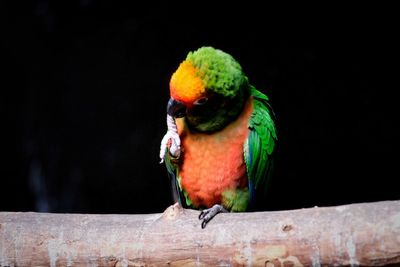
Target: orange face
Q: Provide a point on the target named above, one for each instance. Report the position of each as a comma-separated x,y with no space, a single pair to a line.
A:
186,85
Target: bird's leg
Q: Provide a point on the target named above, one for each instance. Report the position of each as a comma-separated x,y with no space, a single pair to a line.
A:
171,140
207,214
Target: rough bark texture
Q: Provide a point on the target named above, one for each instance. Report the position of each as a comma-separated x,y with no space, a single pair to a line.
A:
365,234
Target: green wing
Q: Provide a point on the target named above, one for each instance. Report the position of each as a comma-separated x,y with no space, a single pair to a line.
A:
178,194
260,146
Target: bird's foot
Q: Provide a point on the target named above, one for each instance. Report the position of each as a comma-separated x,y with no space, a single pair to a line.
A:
207,214
170,140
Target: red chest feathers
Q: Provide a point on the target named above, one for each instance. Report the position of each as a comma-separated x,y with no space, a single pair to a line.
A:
213,163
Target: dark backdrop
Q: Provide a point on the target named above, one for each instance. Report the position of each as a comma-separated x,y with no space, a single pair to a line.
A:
85,84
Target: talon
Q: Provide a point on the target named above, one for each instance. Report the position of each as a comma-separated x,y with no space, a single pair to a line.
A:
202,215
203,224
170,140
207,214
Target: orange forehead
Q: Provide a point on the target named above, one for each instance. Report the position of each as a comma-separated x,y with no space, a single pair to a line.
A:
185,84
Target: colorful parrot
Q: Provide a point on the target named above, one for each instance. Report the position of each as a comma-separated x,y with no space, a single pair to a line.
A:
221,136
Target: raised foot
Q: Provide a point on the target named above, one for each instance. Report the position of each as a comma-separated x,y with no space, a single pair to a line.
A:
170,140
207,214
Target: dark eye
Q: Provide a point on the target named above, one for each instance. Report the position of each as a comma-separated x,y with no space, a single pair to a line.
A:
201,101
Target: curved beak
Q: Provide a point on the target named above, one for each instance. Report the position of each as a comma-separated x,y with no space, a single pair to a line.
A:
176,109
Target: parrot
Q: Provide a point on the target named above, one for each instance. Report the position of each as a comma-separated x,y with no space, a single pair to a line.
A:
221,139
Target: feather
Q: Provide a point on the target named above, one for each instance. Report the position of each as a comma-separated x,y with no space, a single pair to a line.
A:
260,145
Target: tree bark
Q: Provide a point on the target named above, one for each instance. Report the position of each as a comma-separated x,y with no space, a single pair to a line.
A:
366,234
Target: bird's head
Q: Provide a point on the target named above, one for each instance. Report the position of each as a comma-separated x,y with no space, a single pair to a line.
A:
208,88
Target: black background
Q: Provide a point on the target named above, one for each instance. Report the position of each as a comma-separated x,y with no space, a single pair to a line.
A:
84,89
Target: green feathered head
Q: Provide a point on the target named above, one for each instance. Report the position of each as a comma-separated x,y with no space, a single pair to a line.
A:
206,83
207,70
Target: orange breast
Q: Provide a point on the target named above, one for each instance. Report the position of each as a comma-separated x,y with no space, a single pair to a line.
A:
214,162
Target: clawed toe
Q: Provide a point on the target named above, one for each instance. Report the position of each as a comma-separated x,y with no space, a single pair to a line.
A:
207,214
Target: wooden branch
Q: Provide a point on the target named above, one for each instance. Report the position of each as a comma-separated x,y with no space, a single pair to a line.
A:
365,234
